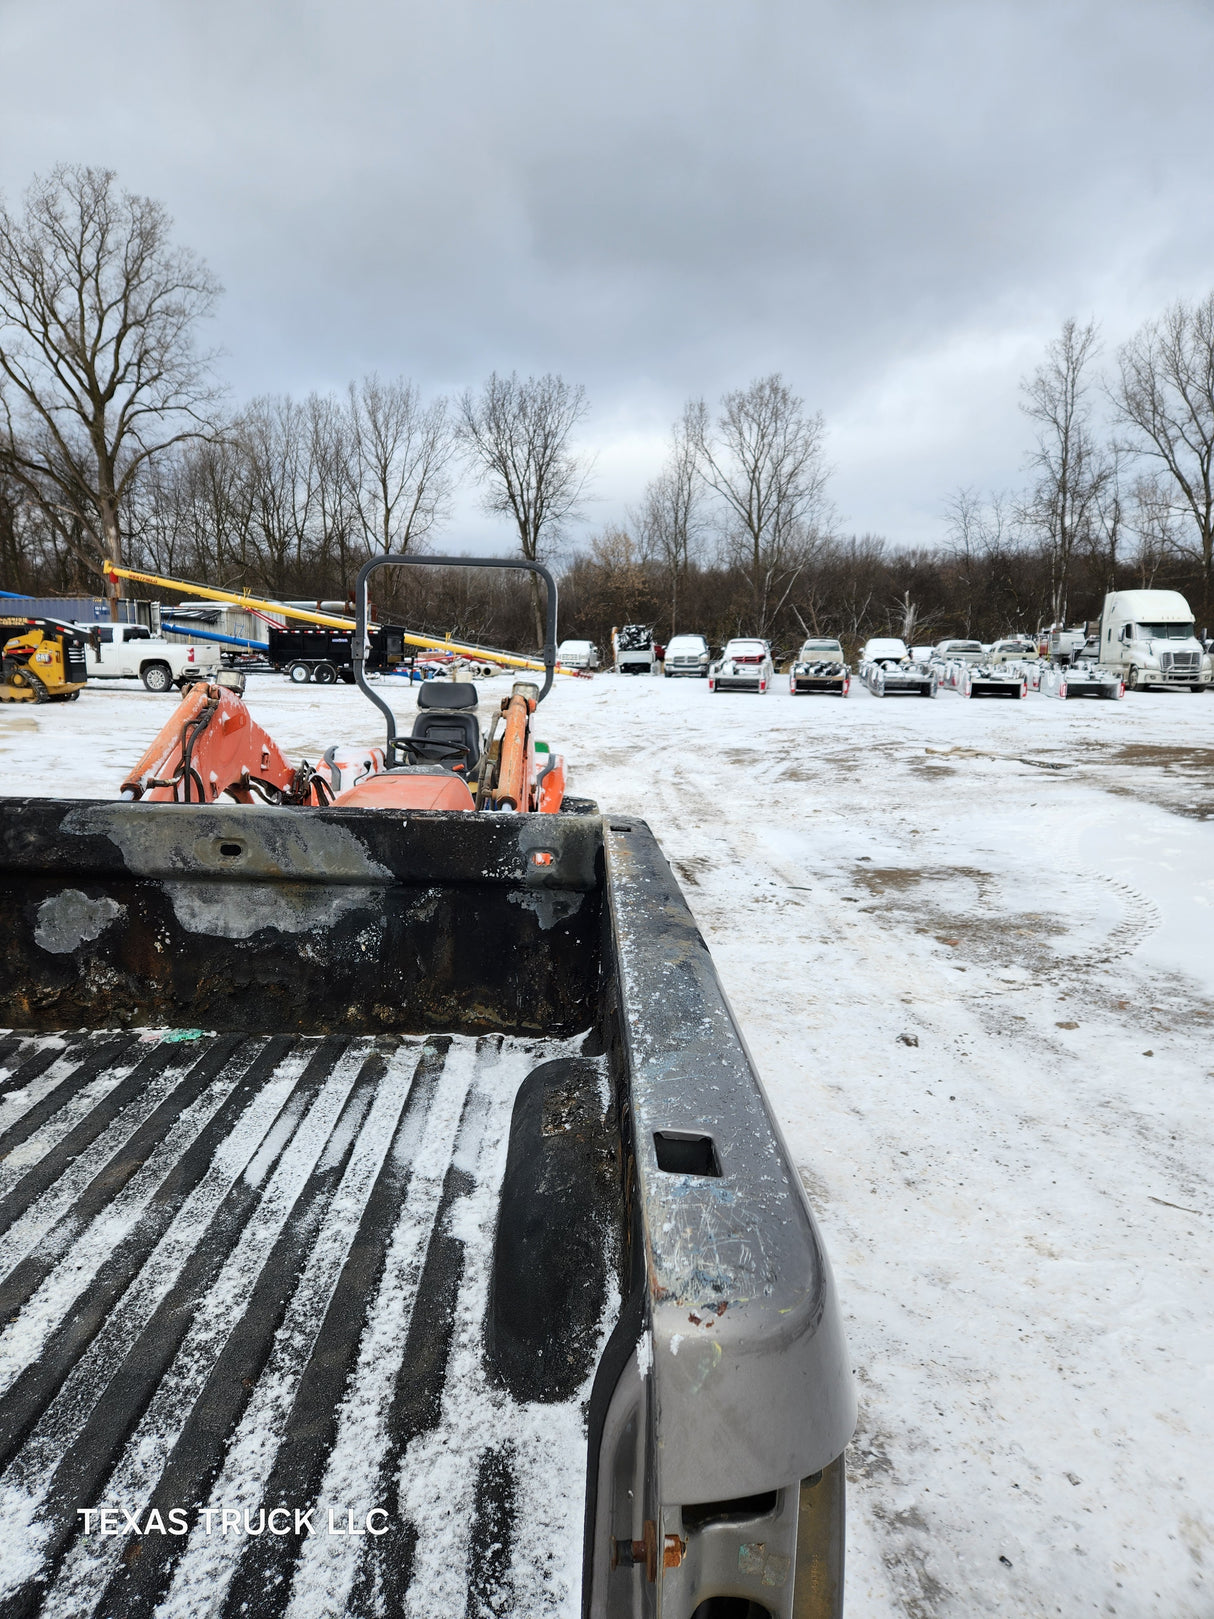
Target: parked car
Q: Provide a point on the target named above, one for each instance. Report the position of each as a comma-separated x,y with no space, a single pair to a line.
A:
960,651
1065,646
883,649
886,666
578,655
745,665
819,666
1016,649
687,655
132,652
922,654
820,649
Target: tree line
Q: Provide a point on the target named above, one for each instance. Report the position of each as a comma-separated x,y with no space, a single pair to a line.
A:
117,444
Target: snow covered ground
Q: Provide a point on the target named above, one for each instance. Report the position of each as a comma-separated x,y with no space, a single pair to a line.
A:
969,944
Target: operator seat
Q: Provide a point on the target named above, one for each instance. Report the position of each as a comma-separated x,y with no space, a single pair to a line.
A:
445,714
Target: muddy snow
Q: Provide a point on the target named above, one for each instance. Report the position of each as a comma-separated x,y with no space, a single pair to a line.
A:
969,944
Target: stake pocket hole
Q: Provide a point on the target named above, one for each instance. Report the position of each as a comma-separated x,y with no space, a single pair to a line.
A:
680,1152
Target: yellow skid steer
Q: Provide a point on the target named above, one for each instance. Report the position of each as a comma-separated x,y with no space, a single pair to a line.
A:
41,661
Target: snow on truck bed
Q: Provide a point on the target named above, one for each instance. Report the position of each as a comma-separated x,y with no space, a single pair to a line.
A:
248,1273
1018,1208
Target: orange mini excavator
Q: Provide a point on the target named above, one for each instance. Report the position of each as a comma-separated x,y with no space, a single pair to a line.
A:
212,746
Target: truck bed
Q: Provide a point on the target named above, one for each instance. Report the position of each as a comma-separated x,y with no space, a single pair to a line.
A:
394,1163
248,1272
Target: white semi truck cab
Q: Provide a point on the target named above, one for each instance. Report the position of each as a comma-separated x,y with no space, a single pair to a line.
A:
1148,636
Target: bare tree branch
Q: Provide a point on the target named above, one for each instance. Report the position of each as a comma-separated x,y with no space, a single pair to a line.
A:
1072,467
1164,398
670,517
763,459
403,452
98,369
516,435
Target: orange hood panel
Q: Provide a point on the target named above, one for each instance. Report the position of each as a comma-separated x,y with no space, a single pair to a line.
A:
388,791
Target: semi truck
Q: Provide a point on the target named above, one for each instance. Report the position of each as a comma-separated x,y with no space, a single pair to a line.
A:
1147,637
391,1216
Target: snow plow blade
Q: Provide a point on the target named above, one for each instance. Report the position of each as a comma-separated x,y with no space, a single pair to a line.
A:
997,682
834,678
393,1220
916,681
1082,680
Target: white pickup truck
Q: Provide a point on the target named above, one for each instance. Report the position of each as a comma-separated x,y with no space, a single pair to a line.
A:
132,652
632,649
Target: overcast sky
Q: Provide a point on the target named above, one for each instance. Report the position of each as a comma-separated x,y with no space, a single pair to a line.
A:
893,202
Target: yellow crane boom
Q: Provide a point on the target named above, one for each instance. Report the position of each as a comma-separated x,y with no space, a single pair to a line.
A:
241,598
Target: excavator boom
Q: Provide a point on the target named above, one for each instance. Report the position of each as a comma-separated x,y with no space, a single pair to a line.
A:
212,745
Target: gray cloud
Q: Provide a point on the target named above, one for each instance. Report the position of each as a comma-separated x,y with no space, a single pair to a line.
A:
895,204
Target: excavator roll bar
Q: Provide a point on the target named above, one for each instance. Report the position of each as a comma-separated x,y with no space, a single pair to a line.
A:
358,648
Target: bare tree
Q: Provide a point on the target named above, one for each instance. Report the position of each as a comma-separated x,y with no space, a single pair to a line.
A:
1155,524
278,454
906,616
669,518
1107,529
402,456
983,547
1011,590
98,368
1071,465
859,566
1164,397
517,435
763,459
216,503
964,523
338,532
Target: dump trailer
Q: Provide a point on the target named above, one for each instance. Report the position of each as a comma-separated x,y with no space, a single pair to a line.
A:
393,1221
322,654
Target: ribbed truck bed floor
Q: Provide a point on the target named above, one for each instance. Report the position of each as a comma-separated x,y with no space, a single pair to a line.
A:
244,1292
